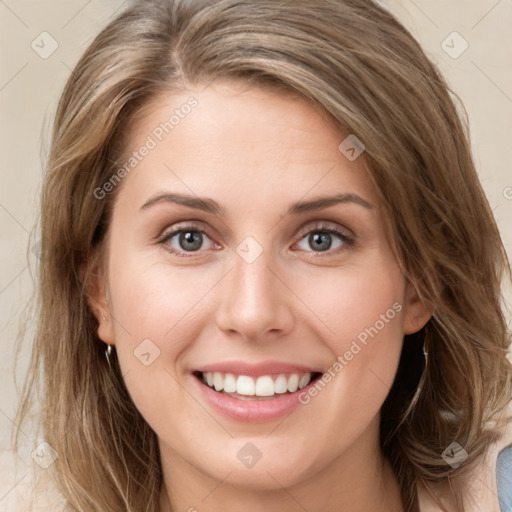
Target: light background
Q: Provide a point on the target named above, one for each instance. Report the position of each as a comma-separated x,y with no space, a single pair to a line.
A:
30,86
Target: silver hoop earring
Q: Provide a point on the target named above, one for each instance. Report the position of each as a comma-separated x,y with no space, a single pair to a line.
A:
419,389
108,352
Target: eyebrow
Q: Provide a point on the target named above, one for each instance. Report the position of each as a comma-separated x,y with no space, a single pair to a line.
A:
302,207
210,206
205,204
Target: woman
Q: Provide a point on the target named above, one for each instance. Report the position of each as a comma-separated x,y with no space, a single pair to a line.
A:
270,275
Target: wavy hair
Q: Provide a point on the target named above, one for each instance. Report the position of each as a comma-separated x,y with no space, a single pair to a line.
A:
357,63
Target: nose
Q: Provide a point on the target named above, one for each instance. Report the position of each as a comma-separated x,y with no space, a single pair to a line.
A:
255,301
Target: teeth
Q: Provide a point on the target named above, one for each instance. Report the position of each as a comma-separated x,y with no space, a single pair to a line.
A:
304,380
293,383
245,385
281,384
218,381
265,385
229,383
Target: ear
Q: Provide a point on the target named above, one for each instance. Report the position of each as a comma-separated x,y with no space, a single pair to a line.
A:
96,289
417,312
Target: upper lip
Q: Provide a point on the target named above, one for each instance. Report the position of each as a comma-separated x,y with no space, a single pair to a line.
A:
256,369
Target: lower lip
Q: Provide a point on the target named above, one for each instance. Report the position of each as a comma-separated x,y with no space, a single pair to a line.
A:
254,411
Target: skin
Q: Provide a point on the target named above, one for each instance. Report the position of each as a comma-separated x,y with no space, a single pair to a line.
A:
255,152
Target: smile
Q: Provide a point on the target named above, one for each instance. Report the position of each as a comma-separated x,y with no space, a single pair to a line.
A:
253,392
245,387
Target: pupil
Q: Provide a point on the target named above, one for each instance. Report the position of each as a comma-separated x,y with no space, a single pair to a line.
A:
191,240
322,242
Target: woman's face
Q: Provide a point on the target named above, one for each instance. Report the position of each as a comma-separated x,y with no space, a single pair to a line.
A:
246,249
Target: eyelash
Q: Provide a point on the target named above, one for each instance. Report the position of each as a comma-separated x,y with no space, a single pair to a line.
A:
348,240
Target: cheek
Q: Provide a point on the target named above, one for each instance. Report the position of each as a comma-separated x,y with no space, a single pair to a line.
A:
153,307
357,303
158,314
362,315
153,300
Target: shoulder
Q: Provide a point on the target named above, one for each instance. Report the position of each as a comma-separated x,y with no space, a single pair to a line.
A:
488,486
504,477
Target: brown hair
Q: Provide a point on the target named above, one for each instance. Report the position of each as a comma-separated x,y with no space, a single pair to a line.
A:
355,61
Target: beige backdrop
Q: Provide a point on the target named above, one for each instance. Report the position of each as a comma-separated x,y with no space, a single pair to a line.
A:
470,40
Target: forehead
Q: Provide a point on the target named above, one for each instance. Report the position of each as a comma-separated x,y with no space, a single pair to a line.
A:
230,139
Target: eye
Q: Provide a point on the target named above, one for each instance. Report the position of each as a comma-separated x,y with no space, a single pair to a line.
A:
186,239
324,238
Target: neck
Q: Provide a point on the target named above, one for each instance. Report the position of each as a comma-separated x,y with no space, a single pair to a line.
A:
357,481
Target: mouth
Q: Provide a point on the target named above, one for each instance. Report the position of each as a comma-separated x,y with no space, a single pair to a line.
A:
262,387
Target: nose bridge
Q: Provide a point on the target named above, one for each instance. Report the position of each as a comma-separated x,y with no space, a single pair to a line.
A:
253,281
253,301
